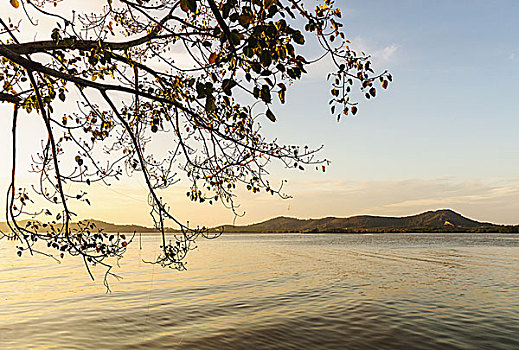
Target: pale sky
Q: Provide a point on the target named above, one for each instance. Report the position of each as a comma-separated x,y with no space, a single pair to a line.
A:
442,136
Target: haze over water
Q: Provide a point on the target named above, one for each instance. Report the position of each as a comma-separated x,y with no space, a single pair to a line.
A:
384,291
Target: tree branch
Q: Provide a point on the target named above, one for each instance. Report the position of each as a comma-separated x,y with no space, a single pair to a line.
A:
9,98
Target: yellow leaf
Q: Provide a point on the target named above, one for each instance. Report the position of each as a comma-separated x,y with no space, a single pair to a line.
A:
15,3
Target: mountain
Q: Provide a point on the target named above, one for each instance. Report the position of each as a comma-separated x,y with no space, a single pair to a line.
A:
105,226
444,220
430,221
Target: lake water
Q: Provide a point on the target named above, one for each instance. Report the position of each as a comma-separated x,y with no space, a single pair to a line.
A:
382,291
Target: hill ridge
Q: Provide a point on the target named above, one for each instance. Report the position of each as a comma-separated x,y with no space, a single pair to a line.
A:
440,220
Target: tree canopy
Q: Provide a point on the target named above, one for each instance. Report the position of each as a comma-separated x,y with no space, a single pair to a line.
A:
195,76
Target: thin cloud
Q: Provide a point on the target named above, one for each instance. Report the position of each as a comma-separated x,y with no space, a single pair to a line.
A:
379,54
388,52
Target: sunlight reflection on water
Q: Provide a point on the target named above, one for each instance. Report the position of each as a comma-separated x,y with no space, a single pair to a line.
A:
275,291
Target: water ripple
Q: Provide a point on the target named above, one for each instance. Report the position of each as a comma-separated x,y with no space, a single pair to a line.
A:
276,292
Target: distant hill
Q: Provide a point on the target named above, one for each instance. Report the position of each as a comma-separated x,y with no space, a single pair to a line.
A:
444,220
106,226
110,227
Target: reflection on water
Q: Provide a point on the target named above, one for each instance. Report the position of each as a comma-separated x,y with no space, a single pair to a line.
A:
409,291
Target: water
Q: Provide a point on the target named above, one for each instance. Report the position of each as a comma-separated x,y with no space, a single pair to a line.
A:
383,291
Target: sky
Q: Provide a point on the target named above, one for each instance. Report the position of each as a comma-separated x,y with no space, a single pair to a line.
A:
444,135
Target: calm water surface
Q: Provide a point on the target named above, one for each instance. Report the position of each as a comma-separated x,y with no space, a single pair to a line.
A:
383,291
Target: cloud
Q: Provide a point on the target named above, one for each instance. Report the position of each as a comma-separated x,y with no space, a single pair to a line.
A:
512,56
388,52
378,53
379,56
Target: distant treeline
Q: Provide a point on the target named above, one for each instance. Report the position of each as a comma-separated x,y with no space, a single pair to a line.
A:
482,229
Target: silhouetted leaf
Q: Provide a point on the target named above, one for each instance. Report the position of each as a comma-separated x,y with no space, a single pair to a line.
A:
188,5
298,38
245,20
269,3
271,115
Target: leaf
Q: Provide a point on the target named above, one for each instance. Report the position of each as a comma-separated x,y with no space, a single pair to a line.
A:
235,38
265,93
384,84
227,86
111,28
212,58
192,5
291,73
281,94
15,3
353,110
248,51
256,92
210,105
256,67
55,35
373,92
69,41
271,116
245,20
188,5
269,3
298,38
266,58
